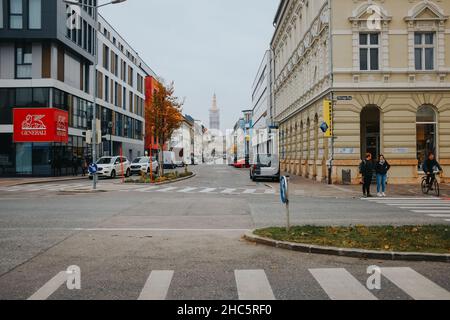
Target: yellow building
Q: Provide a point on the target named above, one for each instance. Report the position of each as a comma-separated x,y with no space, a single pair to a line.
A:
385,65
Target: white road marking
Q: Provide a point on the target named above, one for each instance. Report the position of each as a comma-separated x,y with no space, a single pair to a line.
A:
270,191
401,199
434,206
414,284
167,189
157,285
187,190
439,215
50,287
253,285
431,211
207,190
148,189
339,284
249,191
228,191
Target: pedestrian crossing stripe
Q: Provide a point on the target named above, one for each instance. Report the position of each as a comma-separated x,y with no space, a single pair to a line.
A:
253,285
414,284
157,285
337,283
431,207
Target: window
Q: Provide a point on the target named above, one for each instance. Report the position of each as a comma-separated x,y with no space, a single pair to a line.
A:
105,57
24,59
15,14
424,50
1,14
106,89
124,98
426,133
369,51
34,14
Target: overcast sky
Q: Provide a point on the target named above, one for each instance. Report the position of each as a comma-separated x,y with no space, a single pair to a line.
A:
204,46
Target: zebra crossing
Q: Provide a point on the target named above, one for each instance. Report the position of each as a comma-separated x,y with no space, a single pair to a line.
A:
202,190
144,189
431,207
336,283
43,187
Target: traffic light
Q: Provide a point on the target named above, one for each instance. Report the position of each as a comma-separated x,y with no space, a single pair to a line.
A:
327,126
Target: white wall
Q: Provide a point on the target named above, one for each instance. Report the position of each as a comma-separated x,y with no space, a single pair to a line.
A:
72,74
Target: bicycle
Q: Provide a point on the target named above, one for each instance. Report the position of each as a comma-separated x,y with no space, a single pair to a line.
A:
433,186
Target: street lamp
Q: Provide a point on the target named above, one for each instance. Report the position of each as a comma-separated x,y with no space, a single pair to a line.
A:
94,112
110,127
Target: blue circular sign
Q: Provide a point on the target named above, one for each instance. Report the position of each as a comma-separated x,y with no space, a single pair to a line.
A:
284,190
93,168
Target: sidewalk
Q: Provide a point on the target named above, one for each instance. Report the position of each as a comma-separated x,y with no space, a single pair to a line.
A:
10,182
309,188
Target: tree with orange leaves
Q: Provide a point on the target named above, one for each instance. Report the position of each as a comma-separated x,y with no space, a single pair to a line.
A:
163,116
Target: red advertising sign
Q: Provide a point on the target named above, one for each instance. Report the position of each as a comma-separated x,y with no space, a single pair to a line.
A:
40,125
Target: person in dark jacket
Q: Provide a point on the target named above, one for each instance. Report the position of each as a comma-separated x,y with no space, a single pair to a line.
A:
429,167
367,168
382,167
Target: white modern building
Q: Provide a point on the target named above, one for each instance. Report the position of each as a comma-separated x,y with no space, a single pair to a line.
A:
182,141
262,121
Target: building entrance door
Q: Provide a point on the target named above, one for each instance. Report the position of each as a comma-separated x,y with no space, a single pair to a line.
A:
370,131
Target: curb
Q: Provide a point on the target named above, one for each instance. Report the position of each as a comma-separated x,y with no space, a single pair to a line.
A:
80,191
44,181
345,252
163,183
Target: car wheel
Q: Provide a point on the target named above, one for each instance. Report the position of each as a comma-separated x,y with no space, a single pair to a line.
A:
113,174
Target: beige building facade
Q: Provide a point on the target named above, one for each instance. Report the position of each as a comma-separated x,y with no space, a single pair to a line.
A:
385,65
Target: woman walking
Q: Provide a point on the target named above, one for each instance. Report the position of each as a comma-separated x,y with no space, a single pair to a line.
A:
382,167
366,168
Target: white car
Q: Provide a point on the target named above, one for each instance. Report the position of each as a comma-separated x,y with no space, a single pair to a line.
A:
112,167
142,165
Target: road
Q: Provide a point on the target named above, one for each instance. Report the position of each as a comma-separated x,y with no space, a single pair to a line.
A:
183,241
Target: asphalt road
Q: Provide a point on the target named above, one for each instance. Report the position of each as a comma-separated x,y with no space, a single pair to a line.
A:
183,241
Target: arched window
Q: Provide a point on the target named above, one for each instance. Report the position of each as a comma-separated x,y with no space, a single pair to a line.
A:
426,132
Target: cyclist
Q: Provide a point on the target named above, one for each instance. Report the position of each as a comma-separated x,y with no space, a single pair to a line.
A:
429,167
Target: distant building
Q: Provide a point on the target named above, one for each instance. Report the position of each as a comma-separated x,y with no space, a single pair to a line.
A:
263,136
182,141
214,115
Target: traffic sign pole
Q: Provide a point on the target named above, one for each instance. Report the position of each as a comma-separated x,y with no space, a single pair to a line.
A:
284,192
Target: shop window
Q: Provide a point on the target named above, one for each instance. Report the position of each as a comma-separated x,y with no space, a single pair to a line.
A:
426,133
24,97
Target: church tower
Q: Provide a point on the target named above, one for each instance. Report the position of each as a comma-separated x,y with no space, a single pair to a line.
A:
214,115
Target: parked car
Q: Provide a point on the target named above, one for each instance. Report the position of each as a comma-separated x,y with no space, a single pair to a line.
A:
265,167
169,160
142,165
112,167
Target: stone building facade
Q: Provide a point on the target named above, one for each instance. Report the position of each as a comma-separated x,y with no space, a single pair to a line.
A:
385,65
